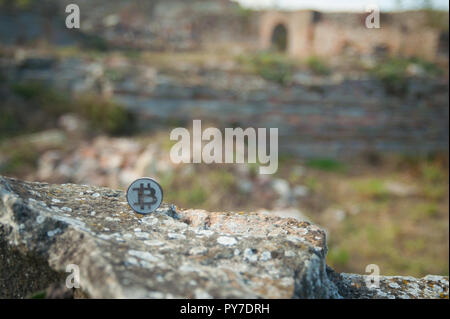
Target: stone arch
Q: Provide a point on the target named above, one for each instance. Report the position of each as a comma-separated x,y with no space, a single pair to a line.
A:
279,37
270,21
298,27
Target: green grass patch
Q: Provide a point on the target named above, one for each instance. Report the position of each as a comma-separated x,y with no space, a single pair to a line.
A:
20,158
317,65
433,173
326,164
393,72
425,210
10,124
105,115
271,66
42,106
435,180
49,100
39,295
27,90
312,183
224,178
372,188
188,193
338,257
434,192
195,196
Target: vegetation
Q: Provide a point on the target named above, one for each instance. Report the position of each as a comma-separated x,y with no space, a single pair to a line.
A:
187,190
269,65
21,158
326,164
435,18
338,257
393,72
105,115
372,188
42,107
393,229
318,66
38,295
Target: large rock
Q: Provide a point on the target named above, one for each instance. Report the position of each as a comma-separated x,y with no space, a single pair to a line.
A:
355,286
170,253
184,254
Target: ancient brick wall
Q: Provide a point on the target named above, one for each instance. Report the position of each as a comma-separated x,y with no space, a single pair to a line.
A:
313,33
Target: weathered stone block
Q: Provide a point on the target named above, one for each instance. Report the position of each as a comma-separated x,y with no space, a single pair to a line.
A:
186,254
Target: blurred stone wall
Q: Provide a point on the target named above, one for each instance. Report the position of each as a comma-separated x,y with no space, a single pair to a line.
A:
330,34
168,24
135,24
199,24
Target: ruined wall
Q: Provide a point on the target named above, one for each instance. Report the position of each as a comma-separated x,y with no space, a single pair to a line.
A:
327,35
198,24
168,24
139,24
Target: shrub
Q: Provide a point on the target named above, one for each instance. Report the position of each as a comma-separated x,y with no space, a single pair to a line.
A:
318,66
9,123
47,99
20,158
271,66
46,105
105,115
393,73
338,257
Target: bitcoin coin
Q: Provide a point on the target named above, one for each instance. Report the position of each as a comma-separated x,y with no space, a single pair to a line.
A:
144,195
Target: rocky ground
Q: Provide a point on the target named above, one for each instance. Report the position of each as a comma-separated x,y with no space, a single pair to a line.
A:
170,253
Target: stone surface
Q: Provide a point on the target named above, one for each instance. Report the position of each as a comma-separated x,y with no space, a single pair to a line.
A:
171,253
390,287
168,254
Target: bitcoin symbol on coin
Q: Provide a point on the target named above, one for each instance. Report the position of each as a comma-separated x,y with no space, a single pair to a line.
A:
144,195
141,195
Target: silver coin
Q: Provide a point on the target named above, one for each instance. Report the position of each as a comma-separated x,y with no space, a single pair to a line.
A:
144,195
